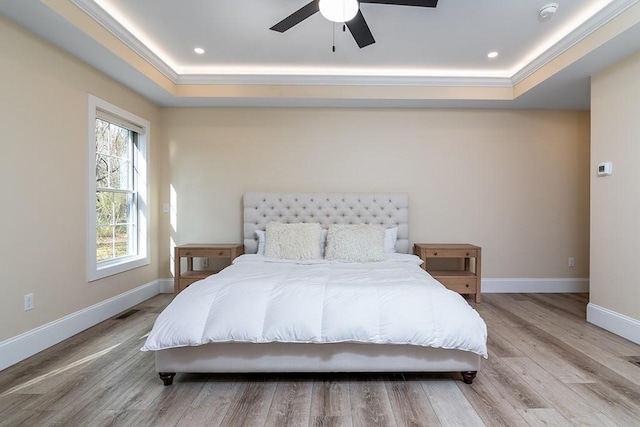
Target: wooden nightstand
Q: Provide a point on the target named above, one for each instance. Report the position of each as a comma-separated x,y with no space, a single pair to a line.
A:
464,280
196,250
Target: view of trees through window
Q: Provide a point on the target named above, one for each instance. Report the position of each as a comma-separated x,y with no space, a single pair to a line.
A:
115,191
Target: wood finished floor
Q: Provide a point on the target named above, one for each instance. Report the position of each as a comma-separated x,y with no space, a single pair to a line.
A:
546,366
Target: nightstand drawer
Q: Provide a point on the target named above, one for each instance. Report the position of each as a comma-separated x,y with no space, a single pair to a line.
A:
450,253
205,253
460,285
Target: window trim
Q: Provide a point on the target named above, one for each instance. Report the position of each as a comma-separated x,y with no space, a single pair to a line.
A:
118,265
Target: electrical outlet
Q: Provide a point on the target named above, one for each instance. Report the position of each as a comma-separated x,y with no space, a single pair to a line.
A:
204,262
28,302
572,261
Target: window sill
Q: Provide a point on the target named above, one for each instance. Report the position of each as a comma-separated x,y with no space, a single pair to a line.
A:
111,268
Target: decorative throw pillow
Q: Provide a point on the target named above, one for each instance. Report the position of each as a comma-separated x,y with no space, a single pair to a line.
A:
323,239
292,241
355,243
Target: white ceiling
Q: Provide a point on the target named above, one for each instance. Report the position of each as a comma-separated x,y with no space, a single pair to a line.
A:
443,47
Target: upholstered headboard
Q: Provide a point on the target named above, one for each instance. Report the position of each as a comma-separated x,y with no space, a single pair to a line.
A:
388,209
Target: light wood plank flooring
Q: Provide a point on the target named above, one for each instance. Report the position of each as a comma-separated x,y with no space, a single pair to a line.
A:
546,366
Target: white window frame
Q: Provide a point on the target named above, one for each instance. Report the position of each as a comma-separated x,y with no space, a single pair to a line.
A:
98,270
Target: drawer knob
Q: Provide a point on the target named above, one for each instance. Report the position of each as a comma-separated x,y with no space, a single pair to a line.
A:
187,253
435,254
467,253
467,285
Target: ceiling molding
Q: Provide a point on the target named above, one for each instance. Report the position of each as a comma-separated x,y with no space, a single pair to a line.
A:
358,80
103,18
605,15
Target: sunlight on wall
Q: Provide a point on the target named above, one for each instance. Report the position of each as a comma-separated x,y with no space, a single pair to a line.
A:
174,208
173,200
172,264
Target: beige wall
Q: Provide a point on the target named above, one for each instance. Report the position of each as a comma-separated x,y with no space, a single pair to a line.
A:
615,200
514,182
43,175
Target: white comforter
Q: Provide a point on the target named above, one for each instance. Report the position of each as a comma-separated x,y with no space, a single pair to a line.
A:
259,300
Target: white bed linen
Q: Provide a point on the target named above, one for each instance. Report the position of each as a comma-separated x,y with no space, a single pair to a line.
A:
260,300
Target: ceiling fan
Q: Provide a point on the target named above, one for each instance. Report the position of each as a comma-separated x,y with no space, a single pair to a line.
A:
357,25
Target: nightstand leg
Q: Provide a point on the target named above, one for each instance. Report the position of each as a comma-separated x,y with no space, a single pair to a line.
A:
176,271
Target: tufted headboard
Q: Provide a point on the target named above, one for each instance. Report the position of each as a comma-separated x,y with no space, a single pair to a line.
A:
388,209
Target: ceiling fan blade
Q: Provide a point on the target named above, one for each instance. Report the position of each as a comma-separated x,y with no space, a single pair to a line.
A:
360,31
297,17
422,3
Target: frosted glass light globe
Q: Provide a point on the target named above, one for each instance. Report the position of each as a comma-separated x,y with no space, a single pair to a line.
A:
339,10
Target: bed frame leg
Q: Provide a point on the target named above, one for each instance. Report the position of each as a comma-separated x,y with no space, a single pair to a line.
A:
468,376
167,377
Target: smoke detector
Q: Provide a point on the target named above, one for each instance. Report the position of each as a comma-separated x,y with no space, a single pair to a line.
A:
547,11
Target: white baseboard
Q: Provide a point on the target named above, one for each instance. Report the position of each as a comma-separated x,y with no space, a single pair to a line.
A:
533,286
29,343
617,323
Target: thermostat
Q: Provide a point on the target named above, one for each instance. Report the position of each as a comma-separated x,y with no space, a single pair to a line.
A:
605,168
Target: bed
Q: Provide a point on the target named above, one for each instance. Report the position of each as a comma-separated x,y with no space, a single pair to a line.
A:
275,314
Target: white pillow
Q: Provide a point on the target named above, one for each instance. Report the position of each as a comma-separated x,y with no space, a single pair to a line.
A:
260,235
261,239
390,237
355,243
292,241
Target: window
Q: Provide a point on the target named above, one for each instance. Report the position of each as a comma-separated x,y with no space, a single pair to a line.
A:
118,188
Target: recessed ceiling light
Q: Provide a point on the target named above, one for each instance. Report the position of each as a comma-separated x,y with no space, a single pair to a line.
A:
199,50
492,55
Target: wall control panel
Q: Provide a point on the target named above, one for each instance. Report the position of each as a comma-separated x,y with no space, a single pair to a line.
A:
605,168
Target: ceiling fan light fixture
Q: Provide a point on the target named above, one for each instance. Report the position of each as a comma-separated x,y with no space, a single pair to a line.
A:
339,10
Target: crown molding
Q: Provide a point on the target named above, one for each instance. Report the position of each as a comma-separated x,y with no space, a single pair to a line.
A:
605,15
102,17
337,80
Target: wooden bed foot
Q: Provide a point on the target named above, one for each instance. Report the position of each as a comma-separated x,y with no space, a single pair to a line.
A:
468,376
167,377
